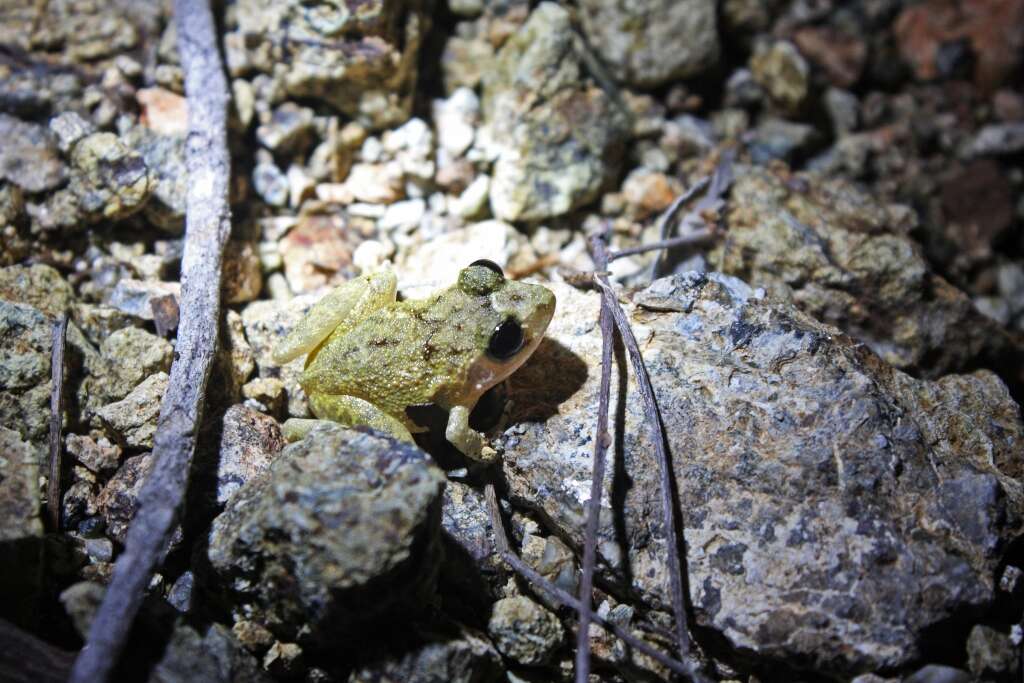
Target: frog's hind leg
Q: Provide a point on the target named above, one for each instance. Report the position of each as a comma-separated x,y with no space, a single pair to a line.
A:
348,302
349,411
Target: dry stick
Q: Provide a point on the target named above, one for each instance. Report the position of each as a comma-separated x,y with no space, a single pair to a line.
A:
53,486
653,420
208,223
666,219
562,597
693,238
596,490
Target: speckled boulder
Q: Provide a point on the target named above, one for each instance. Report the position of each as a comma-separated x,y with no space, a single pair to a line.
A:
833,507
845,259
19,488
342,530
646,43
557,135
357,56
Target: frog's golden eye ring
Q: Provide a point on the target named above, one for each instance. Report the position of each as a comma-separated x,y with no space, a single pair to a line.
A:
506,340
489,265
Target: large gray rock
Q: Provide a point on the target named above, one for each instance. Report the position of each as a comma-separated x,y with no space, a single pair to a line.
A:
213,656
845,259
646,43
834,508
344,529
29,157
556,134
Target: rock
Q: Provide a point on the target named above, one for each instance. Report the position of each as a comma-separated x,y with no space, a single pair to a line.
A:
472,203
265,394
456,119
780,139
131,355
289,130
977,208
164,155
99,549
442,651
828,498
249,442
25,346
465,60
343,530
524,631
841,55
242,275
212,657
834,252
97,321
843,110
119,499
557,136
998,139
412,147
39,286
20,467
283,660
651,42
375,183
783,73
994,29
132,420
436,263
97,455
180,595
937,673
270,183
109,179
29,157
136,297
403,215
163,112
317,252
81,602
991,653
360,60
649,193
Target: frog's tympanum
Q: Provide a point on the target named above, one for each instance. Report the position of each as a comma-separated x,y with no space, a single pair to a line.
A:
371,357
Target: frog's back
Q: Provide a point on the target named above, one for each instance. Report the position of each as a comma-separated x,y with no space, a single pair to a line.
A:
385,359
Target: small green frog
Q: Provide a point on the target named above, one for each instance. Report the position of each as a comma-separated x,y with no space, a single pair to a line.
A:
371,357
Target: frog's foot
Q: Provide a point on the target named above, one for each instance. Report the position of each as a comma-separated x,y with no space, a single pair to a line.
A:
354,412
469,441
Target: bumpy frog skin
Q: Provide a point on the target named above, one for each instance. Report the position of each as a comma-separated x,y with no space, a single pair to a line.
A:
370,357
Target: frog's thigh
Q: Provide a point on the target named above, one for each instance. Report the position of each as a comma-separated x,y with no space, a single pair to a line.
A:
354,412
469,441
350,301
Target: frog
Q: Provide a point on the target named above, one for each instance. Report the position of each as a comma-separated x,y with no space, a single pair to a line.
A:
370,357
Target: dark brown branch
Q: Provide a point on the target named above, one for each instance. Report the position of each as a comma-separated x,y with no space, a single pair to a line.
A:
208,223
692,238
560,596
653,419
54,486
596,490
667,218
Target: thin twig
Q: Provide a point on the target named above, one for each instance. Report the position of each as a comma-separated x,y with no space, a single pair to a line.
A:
653,419
562,597
692,238
596,490
208,222
54,484
667,218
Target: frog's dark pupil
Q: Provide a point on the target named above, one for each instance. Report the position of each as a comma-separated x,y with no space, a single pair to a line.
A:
506,340
489,265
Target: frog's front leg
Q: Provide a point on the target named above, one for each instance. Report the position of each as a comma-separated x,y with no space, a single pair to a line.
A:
349,411
469,441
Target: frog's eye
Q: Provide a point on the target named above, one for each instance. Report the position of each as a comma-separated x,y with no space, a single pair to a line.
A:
506,340
489,265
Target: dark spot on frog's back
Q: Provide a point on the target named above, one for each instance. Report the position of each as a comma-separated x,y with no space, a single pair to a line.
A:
380,342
